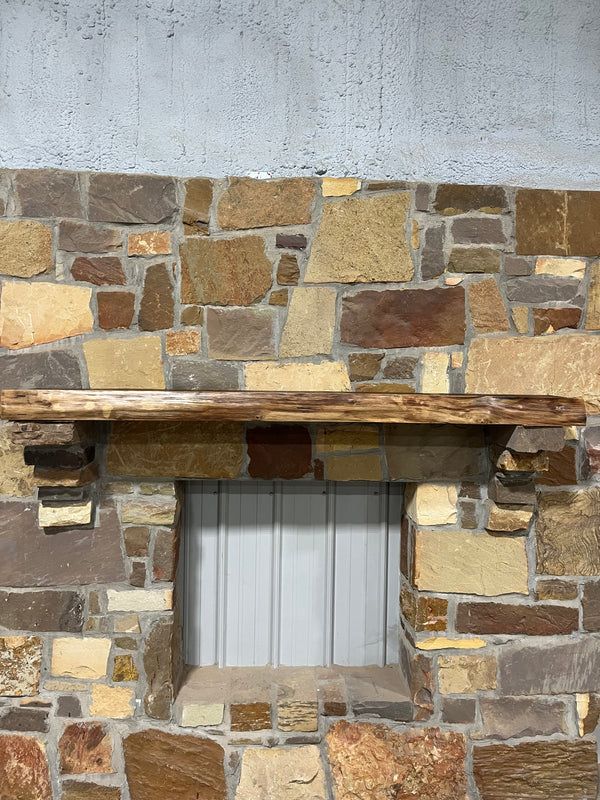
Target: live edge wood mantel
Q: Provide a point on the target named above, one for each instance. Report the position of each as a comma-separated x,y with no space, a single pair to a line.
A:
463,409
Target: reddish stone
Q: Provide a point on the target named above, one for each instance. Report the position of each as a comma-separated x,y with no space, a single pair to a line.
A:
292,241
101,271
405,318
48,193
157,306
489,618
136,541
547,320
131,198
137,574
85,747
165,555
24,773
241,334
280,451
115,309
422,686
540,222
591,606
423,613
79,237
562,469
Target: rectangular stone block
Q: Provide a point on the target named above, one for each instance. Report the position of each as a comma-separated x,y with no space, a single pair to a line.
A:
556,669
513,717
241,334
433,452
140,599
568,533
42,611
521,620
131,198
125,363
150,512
80,658
466,674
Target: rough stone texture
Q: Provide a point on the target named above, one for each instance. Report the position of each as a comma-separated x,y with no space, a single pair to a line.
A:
115,309
563,267
288,272
157,306
16,477
540,222
383,387
241,334
355,436
165,555
458,711
453,198
196,208
182,343
588,711
125,363
478,230
434,373
555,589
399,367
101,271
486,307
51,369
107,701
541,289
32,720
356,467
423,613
508,519
327,376
28,557
592,318
20,666
295,774
131,198
124,669
520,620
251,203
279,451
361,240
582,234
224,272
338,187
568,534
432,255
160,765
529,440
513,717
474,259
562,469
79,237
85,747
192,375
279,297
250,716
48,193
158,665
192,315
51,516
565,365
512,488
431,504
537,771
372,762
469,563
36,313
76,790
548,320
515,266
42,611
25,249
68,706
404,318
140,600
430,452
591,606
80,658
24,773
310,323
159,511
180,449
466,674
151,243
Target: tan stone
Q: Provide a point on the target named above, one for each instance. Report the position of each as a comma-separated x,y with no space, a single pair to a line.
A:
431,503
466,674
510,461
151,243
563,267
310,323
16,478
488,313
128,623
383,387
355,467
520,315
139,600
149,512
241,334
295,774
36,313
20,665
252,203
125,363
592,317
109,701
25,248
80,658
270,376
183,343
362,240
434,373
456,360
559,365
441,643
509,519
469,563
63,516
196,714
414,236
65,686
347,437
338,187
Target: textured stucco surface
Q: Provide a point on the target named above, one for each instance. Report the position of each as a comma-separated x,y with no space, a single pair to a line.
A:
501,91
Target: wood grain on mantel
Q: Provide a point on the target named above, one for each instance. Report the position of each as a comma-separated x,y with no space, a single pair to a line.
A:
462,409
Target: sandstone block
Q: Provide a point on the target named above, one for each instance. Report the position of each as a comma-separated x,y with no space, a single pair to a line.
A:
399,367
192,375
48,193
296,774
540,222
80,658
131,198
194,715
16,477
101,270
24,771
128,623
591,606
198,199
250,716
347,437
192,315
431,504
474,259
79,237
478,230
124,669
20,665
459,199
486,307
592,318
522,620
509,461
293,241
588,712
443,643
182,343
241,334
310,323
513,717
568,534
76,790
562,469
549,320
42,611
354,467
562,267
152,243
434,373
326,376
466,674
338,187
432,452
508,519
279,451
25,249
157,305
529,440
51,516
251,203
288,272
139,600
125,363
108,701
555,589
85,747
68,706
583,238
423,613
165,555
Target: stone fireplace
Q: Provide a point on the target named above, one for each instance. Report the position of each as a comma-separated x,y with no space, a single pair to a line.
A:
129,282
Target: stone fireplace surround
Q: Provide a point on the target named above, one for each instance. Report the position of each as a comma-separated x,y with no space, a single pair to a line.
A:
500,598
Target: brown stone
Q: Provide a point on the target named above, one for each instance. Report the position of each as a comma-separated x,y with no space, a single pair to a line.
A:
423,452
194,375
351,437
101,271
404,318
591,438
278,297
384,387
165,555
198,199
115,309
422,687
386,186
591,606
508,519
157,306
538,620
137,574
453,198
80,237
85,747
131,198
513,717
279,451
159,668
124,669
288,272
16,477
364,366
474,259
432,255
20,665
49,433
134,363
250,716
567,533
458,711
42,611
399,367
68,706
424,613
224,272
159,511
537,770
583,210
372,762
48,193
34,720
562,469
251,203
162,765
296,774
361,239
509,461
512,488
151,243
52,369
136,541
355,467
181,343
241,334
555,589
25,249
529,440
478,230
24,772
592,317
486,307
589,715
192,315
292,241
76,790
541,222
548,320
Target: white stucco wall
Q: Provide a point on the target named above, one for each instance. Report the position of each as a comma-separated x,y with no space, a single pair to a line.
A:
463,90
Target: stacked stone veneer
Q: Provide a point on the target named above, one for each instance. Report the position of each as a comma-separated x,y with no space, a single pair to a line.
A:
121,281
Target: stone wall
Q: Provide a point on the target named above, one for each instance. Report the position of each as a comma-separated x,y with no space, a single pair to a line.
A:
147,282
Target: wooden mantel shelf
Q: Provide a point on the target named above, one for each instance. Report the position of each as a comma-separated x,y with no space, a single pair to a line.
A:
461,409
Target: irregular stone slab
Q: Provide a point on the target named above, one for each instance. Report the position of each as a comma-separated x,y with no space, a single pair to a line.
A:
76,790
512,717
538,620
372,762
431,504
161,511
160,765
33,720
151,243
515,266
124,669
469,563
540,222
241,334
196,209
108,701
466,674
430,452
591,606
20,665
115,309
541,289
48,193
453,198
562,469
36,313
362,240
25,249
565,365
251,203
125,363
296,774
192,375
558,669
529,440
80,658
288,272
79,237
28,557
474,259
338,187
85,747
310,323
52,369
327,376
423,613
537,771
563,267
488,313
434,373
278,297
592,319
400,367
364,366
24,771
548,320
555,589
432,255
101,271
192,315
131,198
508,519
182,343
568,533
404,318
42,611
224,272
157,306
279,451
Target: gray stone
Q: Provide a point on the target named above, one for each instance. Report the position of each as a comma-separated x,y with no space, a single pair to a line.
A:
529,440
241,334
42,611
52,369
425,452
48,193
68,706
516,266
131,198
158,663
512,491
193,375
478,230
458,711
555,669
512,717
401,712
432,255
79,237
474,259
541,289
24,719
422,195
